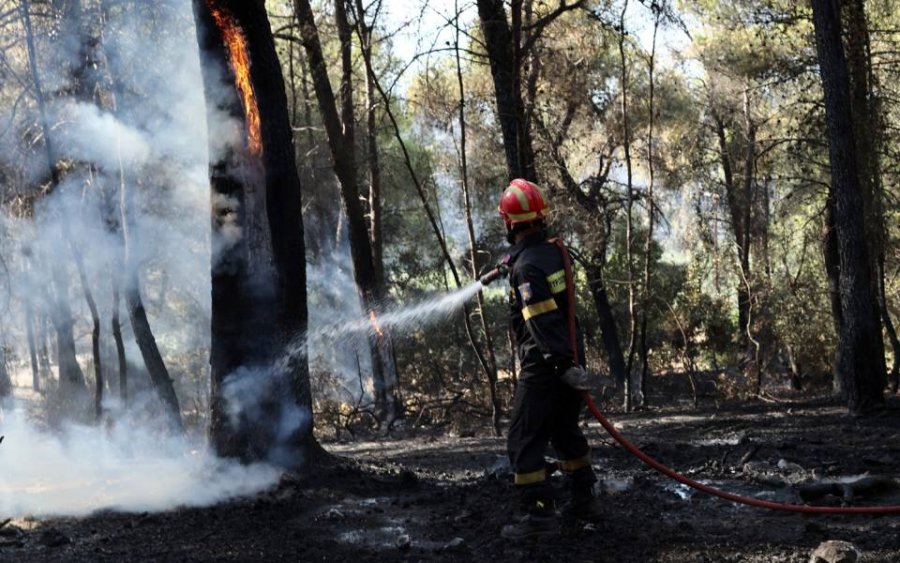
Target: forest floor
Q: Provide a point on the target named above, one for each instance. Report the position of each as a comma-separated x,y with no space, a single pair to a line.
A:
433,497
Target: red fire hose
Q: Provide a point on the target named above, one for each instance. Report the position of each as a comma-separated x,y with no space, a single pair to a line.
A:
669,472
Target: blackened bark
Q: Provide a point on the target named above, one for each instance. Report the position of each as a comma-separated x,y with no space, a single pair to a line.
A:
43,349
868,134
254,286
860,362
140,324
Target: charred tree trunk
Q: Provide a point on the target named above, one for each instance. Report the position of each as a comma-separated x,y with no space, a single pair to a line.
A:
860,361
259,309
832,268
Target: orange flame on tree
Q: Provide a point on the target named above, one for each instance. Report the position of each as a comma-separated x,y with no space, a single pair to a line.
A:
239,57
375,323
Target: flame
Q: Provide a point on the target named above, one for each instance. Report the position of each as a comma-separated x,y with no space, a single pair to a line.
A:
239,57
375,323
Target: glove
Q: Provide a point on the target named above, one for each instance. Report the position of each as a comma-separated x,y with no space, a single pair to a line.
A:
576,378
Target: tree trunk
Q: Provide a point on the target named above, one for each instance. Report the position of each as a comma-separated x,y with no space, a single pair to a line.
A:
95,333
648,240
496,411
503,46
374,165
339,129
860,362
608,330
120,344
71,378
867,131
32,345
43,353
737,208
140,324
629,216
376,237
5,380
259,309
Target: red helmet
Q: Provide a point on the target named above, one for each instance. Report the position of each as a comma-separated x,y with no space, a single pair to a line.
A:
522,202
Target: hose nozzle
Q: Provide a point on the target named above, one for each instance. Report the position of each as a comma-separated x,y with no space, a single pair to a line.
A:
499,272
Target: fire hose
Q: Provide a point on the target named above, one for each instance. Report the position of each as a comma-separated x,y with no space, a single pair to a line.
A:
665,470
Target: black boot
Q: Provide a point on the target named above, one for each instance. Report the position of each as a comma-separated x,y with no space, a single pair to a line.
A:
583,504
540,514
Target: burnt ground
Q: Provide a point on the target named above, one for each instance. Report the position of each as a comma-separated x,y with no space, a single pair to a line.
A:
445,498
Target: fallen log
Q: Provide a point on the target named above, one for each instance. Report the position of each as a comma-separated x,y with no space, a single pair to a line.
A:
847,489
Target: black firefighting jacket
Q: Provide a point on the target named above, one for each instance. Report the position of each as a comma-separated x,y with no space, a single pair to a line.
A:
539,307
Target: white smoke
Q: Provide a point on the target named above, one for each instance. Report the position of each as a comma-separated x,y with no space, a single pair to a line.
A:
124,466
154,143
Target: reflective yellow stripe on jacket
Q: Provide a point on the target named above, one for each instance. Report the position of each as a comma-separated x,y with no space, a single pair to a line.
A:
557,282
539,308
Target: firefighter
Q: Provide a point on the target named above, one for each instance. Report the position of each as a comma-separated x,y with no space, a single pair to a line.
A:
548,399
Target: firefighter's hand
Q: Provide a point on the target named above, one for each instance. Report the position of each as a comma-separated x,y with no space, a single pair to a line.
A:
576,378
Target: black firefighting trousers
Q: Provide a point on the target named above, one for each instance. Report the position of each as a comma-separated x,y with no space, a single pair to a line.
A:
546,411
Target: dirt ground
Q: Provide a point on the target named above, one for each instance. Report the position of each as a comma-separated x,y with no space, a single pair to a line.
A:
429,497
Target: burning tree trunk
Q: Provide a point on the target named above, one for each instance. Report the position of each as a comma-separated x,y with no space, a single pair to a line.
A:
339,128
258,264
